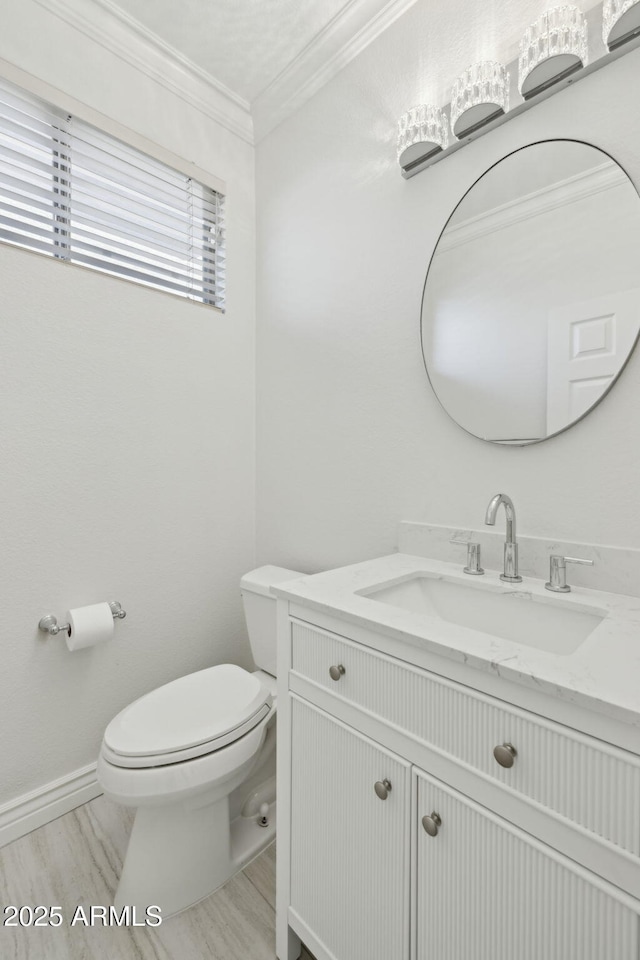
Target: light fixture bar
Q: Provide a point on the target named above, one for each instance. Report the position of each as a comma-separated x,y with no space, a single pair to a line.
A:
421,163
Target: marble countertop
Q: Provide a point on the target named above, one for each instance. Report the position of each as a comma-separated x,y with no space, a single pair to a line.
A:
603,673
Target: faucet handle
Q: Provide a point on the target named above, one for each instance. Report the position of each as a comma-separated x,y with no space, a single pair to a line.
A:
473,567
558,572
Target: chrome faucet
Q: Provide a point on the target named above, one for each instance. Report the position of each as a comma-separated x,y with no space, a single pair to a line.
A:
510,574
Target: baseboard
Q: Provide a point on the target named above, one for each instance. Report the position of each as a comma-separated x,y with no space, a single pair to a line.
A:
33,810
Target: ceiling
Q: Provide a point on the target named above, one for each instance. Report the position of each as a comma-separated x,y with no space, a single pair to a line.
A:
244,44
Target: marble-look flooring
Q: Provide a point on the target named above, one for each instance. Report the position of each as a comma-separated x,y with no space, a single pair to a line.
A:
75,860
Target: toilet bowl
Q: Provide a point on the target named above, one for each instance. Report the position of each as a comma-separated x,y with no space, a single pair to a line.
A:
192,757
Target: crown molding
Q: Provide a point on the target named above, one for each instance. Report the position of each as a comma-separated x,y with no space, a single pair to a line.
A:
354,28
572,189
107,24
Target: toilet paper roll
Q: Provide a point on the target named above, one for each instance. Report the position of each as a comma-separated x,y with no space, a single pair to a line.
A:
89,626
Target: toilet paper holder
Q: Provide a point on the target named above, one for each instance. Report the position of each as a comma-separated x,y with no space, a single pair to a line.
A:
50,625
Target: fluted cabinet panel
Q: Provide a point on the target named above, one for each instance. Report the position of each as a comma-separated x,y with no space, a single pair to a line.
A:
583,779
488,891
350,850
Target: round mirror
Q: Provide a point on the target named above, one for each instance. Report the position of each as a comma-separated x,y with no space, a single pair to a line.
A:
531,305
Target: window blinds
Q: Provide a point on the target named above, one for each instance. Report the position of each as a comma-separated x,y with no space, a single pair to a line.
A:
75,193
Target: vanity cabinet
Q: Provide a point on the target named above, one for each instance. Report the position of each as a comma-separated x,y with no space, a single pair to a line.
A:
579,778
401,837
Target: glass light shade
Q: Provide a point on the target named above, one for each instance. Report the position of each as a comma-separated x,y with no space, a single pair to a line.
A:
620,21
422,131
551,49
479,95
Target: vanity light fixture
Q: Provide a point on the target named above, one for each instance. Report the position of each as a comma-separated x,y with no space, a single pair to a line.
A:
479,95
423,131
552,49
620,22
553,55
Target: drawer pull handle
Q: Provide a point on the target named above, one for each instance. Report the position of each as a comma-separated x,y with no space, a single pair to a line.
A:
336,672
505,754
432,823
382,788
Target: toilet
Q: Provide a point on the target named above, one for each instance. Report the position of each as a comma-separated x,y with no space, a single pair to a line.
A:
196,758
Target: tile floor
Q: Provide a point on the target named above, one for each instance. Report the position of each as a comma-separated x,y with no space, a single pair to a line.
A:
75,861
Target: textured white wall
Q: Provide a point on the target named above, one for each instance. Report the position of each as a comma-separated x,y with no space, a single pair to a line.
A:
350,436
127,443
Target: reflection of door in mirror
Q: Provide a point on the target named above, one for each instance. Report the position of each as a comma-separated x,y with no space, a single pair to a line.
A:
552,225
588,343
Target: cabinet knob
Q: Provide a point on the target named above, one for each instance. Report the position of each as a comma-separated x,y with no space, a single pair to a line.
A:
382,788
505,754
432,823
336,672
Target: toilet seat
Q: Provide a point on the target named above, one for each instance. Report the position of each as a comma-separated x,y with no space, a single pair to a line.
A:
187,718
175,782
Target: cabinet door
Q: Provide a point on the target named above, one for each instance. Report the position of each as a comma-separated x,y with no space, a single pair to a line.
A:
485,889
349,848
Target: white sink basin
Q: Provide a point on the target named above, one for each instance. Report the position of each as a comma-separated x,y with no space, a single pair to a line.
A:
547,623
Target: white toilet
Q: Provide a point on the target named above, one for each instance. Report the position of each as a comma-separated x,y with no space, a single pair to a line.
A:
196,757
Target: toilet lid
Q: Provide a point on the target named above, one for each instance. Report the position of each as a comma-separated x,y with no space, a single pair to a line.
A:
193,710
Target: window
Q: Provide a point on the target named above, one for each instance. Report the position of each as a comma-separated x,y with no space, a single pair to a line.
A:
71,192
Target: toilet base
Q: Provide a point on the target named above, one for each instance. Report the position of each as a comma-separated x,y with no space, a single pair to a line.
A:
180,853
249,839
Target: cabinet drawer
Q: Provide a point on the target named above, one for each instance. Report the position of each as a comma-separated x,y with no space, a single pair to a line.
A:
582,779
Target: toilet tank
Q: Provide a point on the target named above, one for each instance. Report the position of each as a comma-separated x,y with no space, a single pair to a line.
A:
260,612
